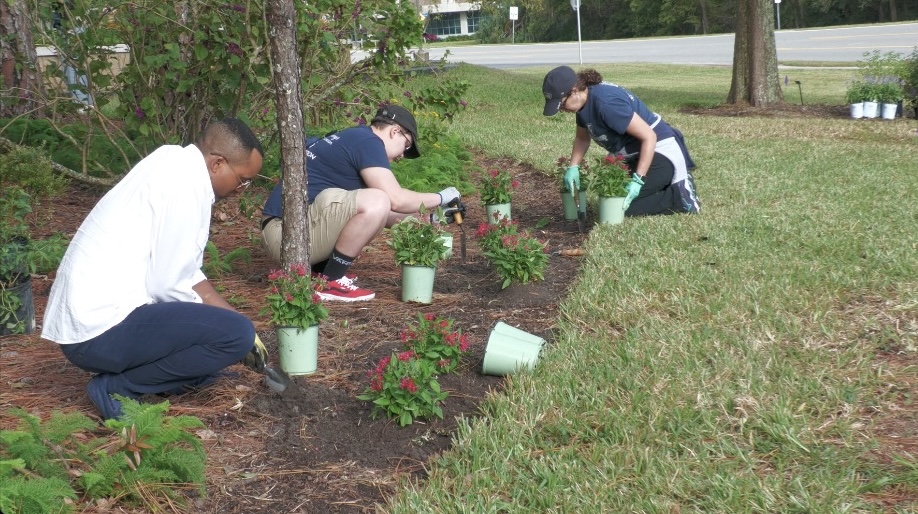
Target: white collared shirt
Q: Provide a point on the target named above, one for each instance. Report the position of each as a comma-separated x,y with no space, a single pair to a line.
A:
142,243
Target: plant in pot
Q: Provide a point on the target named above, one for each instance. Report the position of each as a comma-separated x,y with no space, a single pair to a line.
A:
856,95
418,247
889,93
611,176
496,191
568,202
296,311
20,257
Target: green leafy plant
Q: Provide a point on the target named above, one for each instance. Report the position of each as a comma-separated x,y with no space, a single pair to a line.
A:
434,339
20,256
857,92
404,387
216,266
490,235
610,176
497,187
518,258
416,242
138,459
293,301
890,91
561,166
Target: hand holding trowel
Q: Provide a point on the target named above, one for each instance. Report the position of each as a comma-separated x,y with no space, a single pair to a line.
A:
257,360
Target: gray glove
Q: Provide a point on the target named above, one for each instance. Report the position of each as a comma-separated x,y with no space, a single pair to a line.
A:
448,196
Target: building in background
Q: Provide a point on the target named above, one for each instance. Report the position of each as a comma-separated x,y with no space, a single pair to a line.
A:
449,18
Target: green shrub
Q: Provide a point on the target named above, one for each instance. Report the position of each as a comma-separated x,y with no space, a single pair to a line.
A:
31,169
139,461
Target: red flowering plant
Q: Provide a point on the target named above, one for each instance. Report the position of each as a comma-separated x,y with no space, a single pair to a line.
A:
434,339
611,176
496,187
404,386
518,258
490,234
293,301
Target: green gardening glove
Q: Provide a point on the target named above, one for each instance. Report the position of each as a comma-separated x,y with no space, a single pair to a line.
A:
633,188
572,178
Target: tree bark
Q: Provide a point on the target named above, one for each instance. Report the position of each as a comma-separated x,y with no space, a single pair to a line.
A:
755,58
285,70
22,89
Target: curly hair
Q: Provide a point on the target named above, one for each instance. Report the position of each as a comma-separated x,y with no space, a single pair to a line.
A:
588,77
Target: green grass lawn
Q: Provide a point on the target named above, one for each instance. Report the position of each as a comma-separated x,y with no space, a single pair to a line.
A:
734,361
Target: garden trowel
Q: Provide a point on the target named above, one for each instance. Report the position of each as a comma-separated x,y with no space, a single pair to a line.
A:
581,209
257,360
456,215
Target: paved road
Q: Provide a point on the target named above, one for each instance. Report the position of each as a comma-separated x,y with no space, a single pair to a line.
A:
840,44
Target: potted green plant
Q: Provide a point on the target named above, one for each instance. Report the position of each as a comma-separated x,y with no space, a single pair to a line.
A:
889,93
871,97
568,202
496,190
296,311
418,247
611,175
856,95
19,258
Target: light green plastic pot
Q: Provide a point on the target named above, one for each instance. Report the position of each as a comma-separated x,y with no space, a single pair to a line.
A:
611,209
510,350
417,283
570,204
501,209
298,349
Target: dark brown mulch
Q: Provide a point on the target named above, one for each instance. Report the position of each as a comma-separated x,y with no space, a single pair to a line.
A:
316,448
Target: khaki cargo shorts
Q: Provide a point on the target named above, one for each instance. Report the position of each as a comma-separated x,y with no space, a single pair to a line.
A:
327,216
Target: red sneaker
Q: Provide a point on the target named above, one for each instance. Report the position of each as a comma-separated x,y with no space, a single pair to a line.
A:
344,290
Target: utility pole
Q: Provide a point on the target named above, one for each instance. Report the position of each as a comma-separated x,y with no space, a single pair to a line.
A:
575,4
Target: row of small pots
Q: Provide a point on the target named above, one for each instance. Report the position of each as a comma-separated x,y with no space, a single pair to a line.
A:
873,110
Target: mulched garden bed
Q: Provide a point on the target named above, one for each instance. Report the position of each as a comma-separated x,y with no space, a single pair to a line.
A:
315,448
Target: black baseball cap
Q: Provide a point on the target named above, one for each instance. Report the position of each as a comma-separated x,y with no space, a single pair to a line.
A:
404,119
558,83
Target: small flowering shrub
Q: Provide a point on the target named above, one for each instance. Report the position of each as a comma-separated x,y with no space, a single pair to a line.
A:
497,186
515,254
293,301
434,339
611,176
404,386
416,242
518,258
490,234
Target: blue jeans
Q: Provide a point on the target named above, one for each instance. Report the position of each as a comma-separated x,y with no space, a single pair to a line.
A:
164,347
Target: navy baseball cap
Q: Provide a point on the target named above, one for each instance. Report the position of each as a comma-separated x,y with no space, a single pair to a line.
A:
404,119
558,83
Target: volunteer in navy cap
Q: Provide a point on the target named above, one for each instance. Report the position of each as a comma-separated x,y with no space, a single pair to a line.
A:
352,195
617,120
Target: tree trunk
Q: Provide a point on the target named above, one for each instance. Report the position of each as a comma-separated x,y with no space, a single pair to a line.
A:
755,58
703,4
893,14
22,90
285,69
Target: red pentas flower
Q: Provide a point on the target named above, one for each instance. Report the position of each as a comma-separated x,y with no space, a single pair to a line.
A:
434,338
292,300
407,383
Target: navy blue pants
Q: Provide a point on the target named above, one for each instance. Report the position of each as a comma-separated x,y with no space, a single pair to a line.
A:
656,196
165,348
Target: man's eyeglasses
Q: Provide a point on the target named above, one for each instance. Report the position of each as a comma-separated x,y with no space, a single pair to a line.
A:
407,139
243,184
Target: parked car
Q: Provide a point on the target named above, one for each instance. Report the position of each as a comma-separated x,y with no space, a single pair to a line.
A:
430,37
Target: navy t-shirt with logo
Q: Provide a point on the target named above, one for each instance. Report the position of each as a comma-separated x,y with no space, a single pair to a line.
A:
335,161
607,113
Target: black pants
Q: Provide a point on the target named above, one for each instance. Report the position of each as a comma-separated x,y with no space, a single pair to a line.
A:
656,196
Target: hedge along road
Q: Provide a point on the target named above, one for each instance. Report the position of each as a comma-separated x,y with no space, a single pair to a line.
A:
827,44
